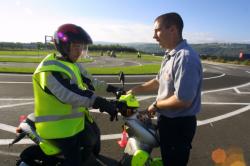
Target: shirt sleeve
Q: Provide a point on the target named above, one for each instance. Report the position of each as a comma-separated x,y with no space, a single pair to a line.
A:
186,77
99,86
59,85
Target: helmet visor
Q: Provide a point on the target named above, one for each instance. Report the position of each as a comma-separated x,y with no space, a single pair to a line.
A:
85,50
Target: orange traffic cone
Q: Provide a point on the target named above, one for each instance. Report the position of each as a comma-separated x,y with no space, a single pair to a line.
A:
124,139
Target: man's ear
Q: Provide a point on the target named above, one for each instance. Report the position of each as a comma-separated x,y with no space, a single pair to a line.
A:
173,28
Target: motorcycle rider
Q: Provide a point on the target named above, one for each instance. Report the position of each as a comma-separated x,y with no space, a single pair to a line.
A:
63,92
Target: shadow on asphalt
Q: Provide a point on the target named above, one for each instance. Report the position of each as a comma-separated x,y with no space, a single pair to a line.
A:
106,161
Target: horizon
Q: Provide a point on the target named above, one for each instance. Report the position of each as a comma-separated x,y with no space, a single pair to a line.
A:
111,43
125,22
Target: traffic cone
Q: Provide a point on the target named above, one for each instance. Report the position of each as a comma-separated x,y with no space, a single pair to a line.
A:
22,118
124,139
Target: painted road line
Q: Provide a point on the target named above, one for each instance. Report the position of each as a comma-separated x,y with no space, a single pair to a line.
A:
248,72
224,116
222,75
8,128
114,83
6,82
239,92
219,103
224,89
16,99
22,142
15,105
105,76
9,153
17,75
28,141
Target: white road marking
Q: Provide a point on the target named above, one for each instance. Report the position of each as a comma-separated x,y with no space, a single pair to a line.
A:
248,72
114,83
224,89
208,78
7,82
17,75
105,76
239,92
28,141
14,105
16,99
224,116
8,128
9,153
217,103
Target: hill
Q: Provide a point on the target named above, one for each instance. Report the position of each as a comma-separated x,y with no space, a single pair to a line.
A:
210,49
224,50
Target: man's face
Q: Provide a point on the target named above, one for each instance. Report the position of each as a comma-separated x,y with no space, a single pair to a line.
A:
163,35
76,50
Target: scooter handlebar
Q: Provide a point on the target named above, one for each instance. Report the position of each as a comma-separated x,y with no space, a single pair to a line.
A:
19,137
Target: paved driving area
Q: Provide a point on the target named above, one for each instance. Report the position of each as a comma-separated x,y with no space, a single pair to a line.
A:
223,123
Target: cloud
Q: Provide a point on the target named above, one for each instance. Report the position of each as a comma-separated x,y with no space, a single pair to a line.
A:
18,3
28,11
121,32
200,37
32,29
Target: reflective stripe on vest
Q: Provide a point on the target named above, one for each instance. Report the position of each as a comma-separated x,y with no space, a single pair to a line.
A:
54,62
51,118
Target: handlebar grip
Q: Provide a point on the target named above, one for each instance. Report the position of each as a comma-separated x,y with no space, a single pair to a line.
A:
18,138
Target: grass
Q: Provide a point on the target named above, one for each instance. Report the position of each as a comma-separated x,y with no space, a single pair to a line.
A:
33,60
16,70
26,53
146,69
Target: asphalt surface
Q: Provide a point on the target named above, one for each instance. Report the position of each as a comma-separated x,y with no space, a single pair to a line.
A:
223,122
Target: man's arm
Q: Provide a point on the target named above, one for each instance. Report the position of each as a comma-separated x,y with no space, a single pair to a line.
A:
149,86
169,103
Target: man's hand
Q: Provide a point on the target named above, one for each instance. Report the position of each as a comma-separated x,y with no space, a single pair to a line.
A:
152,109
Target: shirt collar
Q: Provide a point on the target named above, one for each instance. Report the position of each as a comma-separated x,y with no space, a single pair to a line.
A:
172,52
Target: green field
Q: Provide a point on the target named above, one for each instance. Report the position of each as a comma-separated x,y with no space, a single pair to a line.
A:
36,57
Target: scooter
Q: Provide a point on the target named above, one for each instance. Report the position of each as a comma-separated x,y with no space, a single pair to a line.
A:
42,152
139,135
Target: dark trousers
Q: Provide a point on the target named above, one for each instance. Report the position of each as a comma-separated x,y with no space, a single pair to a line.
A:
71,146
176,135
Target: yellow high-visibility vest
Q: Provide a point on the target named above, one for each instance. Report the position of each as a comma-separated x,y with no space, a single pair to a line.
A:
55,119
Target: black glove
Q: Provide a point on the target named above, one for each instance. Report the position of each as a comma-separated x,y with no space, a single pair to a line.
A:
106,106
116,90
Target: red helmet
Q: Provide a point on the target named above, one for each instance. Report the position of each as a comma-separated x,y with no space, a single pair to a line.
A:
68,33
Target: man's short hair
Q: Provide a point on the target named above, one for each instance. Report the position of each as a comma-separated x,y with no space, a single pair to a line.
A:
172,18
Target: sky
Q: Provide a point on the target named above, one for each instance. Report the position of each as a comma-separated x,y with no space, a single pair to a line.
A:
125,21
